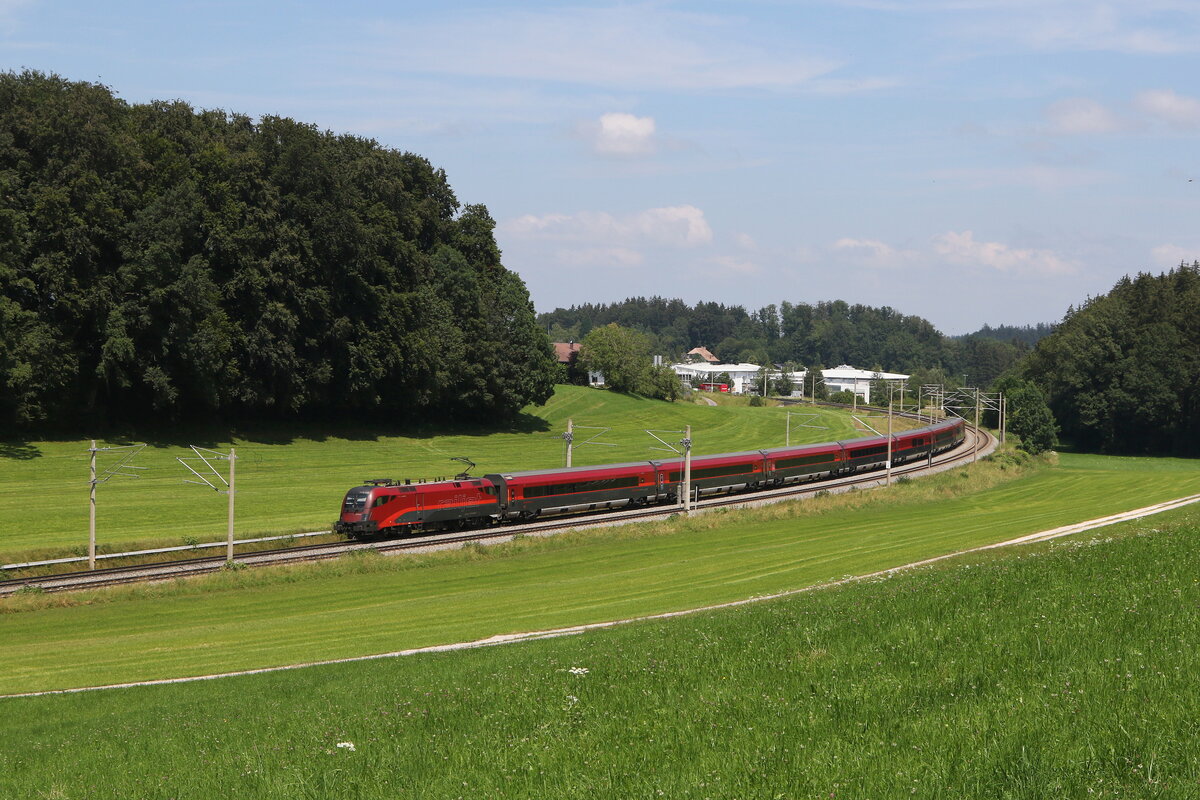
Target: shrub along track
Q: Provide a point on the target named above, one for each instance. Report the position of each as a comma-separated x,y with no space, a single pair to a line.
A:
976,444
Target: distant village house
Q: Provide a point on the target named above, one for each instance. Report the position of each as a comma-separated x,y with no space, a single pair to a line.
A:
567,354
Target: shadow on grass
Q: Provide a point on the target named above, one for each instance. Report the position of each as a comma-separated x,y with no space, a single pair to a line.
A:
20,451
215,435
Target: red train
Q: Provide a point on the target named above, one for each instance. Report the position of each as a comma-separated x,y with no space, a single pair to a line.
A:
387,507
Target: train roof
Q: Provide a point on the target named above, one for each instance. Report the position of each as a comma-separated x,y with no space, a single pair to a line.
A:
417,484
803,448
565,471
740,455
867,441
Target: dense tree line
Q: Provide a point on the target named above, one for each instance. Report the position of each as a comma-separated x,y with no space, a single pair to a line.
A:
1026,334
158,260
1122,372
821,334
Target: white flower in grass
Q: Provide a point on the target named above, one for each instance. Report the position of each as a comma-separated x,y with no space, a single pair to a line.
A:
578,670
346,746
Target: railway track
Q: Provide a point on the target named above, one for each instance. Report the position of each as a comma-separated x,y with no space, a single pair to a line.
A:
975,443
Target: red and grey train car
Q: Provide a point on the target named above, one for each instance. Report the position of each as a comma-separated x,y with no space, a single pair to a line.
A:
388,507
525,495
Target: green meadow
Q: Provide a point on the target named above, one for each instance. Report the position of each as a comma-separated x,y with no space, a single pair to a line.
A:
363,605
292,479
1062,669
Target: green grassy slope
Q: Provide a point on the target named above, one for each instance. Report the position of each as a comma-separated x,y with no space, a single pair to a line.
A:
243,621
292,480
1060,670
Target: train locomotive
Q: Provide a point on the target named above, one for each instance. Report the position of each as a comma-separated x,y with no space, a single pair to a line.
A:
386,507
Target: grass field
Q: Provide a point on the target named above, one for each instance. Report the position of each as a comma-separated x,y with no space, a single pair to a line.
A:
291,480
1059,670
359,606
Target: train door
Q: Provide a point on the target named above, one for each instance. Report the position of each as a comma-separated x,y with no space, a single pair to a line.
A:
659,478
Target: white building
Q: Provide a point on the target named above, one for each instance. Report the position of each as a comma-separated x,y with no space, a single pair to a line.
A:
741,375
844,377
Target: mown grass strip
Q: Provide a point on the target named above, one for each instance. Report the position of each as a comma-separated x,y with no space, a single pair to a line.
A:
248,620
513,638
1064,670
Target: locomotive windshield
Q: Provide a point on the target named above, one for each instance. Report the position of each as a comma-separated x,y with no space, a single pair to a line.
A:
356,500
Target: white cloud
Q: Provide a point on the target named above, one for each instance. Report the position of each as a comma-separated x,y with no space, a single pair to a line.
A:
873,253
746,241
1151,27
1171,255
619,134
962,249
1174,109
876,248
1081,115
643,47
599,257
673,226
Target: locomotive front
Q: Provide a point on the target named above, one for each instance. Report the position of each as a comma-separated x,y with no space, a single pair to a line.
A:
362,510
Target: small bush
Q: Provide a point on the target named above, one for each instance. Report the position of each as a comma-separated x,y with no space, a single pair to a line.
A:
1011,459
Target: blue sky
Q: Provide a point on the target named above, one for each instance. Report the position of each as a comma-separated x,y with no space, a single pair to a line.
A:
968,161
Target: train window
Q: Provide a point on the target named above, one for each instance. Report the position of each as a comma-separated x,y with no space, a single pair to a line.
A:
355,501
869,451
387,498
714,472
599,485
720,472
490,490
804,461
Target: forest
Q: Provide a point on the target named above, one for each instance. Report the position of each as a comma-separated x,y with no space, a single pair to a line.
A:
158,261
1122,371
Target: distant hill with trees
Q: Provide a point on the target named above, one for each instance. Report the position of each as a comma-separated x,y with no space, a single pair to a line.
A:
1025,334
815,335
158,261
